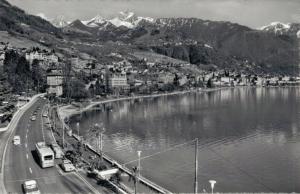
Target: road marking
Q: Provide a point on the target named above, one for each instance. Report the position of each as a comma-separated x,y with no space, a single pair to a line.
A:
30,170
27,156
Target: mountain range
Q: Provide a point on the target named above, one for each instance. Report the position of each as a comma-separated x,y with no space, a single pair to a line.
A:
220,44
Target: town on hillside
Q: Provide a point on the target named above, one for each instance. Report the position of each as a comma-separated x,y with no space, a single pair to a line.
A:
25,71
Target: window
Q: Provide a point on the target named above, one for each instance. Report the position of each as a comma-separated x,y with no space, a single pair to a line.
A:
48,157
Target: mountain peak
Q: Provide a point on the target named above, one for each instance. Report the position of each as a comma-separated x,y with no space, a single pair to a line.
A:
280,28
276,27
129,19
95,21
59,21
126,15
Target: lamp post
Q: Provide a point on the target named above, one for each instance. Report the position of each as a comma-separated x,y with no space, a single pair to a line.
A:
77,125
196,166
212,185
139,163
137,171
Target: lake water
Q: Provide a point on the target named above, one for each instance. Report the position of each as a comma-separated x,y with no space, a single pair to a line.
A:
249,138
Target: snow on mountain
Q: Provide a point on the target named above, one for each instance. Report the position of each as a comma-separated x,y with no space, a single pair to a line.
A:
42,15
119,22
127,19
95,22
60,22
276,27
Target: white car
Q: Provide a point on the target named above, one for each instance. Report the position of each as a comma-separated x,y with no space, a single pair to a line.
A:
67,166
45,115
33,118
31,187
17,140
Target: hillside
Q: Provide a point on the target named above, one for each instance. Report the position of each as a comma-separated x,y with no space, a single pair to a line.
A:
201,42
183,38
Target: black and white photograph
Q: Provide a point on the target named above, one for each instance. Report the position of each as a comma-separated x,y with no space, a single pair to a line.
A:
149,96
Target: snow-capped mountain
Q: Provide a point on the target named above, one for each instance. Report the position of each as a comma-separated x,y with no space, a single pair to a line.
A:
276,27
127,19
282,29
59,22
95,22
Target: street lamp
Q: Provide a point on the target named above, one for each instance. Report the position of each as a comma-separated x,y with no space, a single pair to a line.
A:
137,172
212,185
139,162
77,125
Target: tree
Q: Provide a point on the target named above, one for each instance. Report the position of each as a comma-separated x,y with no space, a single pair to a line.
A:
176,80
210,83
99,88
92,90
75,89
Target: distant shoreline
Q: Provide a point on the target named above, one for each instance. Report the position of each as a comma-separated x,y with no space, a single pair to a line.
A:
68,111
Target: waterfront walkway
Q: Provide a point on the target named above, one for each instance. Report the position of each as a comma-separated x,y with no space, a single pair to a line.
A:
126,182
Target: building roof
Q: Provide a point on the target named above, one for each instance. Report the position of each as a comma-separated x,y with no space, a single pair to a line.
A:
55,72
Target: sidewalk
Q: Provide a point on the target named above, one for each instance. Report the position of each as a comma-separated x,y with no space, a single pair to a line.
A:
6,133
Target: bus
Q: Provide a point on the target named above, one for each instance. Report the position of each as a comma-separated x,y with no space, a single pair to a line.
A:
45,155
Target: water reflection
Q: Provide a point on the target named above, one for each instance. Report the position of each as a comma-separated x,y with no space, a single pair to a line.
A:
249,139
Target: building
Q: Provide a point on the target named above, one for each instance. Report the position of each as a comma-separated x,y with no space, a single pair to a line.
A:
116,81
55,82
41,56
166,78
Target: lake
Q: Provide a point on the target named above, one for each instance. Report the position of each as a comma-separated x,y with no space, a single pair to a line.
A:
249,138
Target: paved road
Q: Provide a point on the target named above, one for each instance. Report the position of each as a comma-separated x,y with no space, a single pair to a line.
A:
20,163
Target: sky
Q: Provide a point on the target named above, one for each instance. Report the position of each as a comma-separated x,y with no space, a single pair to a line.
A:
252,13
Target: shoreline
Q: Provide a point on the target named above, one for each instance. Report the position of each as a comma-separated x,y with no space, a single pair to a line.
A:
77,110
68,111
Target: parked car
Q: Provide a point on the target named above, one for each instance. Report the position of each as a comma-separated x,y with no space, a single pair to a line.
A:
33,118
31,187
45,115
17,140
57,150
67,166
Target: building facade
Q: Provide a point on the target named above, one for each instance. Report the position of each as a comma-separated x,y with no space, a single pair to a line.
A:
116,81
51,58
55,82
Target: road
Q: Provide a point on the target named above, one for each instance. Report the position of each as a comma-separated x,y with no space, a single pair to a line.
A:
20,163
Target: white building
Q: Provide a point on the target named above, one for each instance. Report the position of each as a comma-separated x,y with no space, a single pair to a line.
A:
116,82
55,82
41,56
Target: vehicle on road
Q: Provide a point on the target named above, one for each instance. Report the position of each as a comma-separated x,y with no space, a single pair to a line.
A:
35,113
67,165
17,140
45,115
33,118
31,187
57,150
45,155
